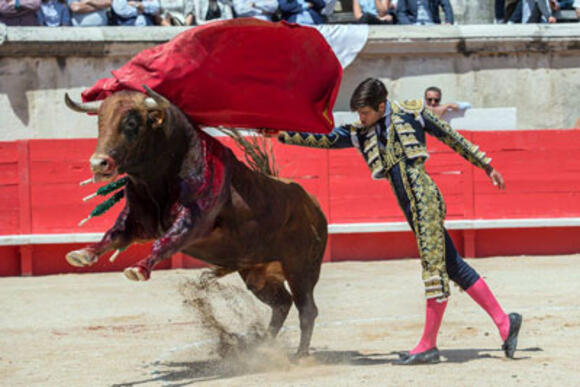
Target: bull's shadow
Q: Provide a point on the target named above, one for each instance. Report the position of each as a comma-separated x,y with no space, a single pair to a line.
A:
186,373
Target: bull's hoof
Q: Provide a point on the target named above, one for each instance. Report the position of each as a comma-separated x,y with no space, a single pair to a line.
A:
137,273
80,258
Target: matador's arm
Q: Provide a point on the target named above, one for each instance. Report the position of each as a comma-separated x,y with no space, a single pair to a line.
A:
339,138
443,131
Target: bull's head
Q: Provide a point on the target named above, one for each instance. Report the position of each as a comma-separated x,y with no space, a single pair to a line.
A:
132,129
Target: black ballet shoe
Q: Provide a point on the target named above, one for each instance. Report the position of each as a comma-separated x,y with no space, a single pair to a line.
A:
430,356
403,354
510,344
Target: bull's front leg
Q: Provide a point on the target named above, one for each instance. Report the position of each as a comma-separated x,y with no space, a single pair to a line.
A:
118,237
185,226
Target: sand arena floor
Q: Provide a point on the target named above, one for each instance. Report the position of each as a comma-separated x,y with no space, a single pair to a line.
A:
102,330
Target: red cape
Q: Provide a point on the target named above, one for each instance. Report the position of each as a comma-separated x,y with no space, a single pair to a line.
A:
242,73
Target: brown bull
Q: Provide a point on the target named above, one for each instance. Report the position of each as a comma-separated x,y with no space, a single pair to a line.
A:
190,194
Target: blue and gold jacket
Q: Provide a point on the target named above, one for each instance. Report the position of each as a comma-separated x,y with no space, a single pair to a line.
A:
397,136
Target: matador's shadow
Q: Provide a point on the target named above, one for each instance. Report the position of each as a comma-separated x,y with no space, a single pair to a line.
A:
185,373
465,355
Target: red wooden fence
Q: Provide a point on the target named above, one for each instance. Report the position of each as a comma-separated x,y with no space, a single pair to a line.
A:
40,195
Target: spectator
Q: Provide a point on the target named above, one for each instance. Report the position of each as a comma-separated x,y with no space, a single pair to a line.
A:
302,11
210,10
577,7
328,9
19,12
260,9
564,4
423,12
176,13
53,13
537,11
372,11
89,13
499,11
513,11
134,12
433,102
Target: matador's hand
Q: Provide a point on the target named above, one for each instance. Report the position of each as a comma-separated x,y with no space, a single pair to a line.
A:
495,177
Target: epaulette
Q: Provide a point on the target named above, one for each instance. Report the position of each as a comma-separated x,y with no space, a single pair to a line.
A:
412,106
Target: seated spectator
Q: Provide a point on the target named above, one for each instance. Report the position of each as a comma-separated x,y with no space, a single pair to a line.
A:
212,10
53,13
565,4
513,11
134,12
433,102
372,11
499,11
537,11
89,13
328,9
19,12
176,13
302,11
423,12
260,9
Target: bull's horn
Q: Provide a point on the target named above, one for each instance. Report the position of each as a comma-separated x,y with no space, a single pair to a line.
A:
156,100
80,107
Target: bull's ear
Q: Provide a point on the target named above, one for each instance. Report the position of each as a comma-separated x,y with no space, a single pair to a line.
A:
156,118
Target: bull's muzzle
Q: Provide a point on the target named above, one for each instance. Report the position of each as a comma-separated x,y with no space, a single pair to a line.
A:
103,167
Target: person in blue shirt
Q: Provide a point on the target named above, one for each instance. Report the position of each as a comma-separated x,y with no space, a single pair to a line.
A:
135,12
423,12
302,11
373,11
391,139
53,13
89,13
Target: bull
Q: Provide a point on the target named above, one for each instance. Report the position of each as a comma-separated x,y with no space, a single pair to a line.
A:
188,193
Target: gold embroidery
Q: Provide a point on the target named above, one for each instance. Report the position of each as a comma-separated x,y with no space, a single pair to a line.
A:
428,215
372,142
412,106
457,142
408,139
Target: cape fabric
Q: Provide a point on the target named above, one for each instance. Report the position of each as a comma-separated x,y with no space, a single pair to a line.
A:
243,73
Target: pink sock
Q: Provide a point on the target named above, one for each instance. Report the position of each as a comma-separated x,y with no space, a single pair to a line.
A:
433,316
481,294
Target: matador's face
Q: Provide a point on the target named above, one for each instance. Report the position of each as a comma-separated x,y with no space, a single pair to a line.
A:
369,116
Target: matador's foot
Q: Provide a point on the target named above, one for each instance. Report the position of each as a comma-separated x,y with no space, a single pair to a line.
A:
510,344
430,356
137,273
83,257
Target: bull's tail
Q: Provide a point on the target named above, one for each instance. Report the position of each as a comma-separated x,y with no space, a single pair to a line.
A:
257,149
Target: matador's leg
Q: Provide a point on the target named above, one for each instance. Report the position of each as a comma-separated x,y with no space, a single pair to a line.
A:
426,211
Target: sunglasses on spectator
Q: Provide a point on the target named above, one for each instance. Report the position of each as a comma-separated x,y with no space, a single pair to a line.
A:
433,99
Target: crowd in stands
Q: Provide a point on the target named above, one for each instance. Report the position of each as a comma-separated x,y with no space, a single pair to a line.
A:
193,12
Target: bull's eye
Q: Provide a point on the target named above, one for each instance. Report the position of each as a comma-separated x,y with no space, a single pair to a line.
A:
130,125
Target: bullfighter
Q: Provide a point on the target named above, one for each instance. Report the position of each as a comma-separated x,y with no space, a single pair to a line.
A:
391,139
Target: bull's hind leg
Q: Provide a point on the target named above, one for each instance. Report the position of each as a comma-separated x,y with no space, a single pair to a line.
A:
267,283
302,282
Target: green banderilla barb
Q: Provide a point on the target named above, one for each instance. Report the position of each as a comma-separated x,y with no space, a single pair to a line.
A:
110,202
107,189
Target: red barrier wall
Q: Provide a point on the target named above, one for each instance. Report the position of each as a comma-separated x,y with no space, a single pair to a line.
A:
39,193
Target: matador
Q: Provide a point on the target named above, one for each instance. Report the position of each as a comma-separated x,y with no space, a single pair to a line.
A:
391,138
